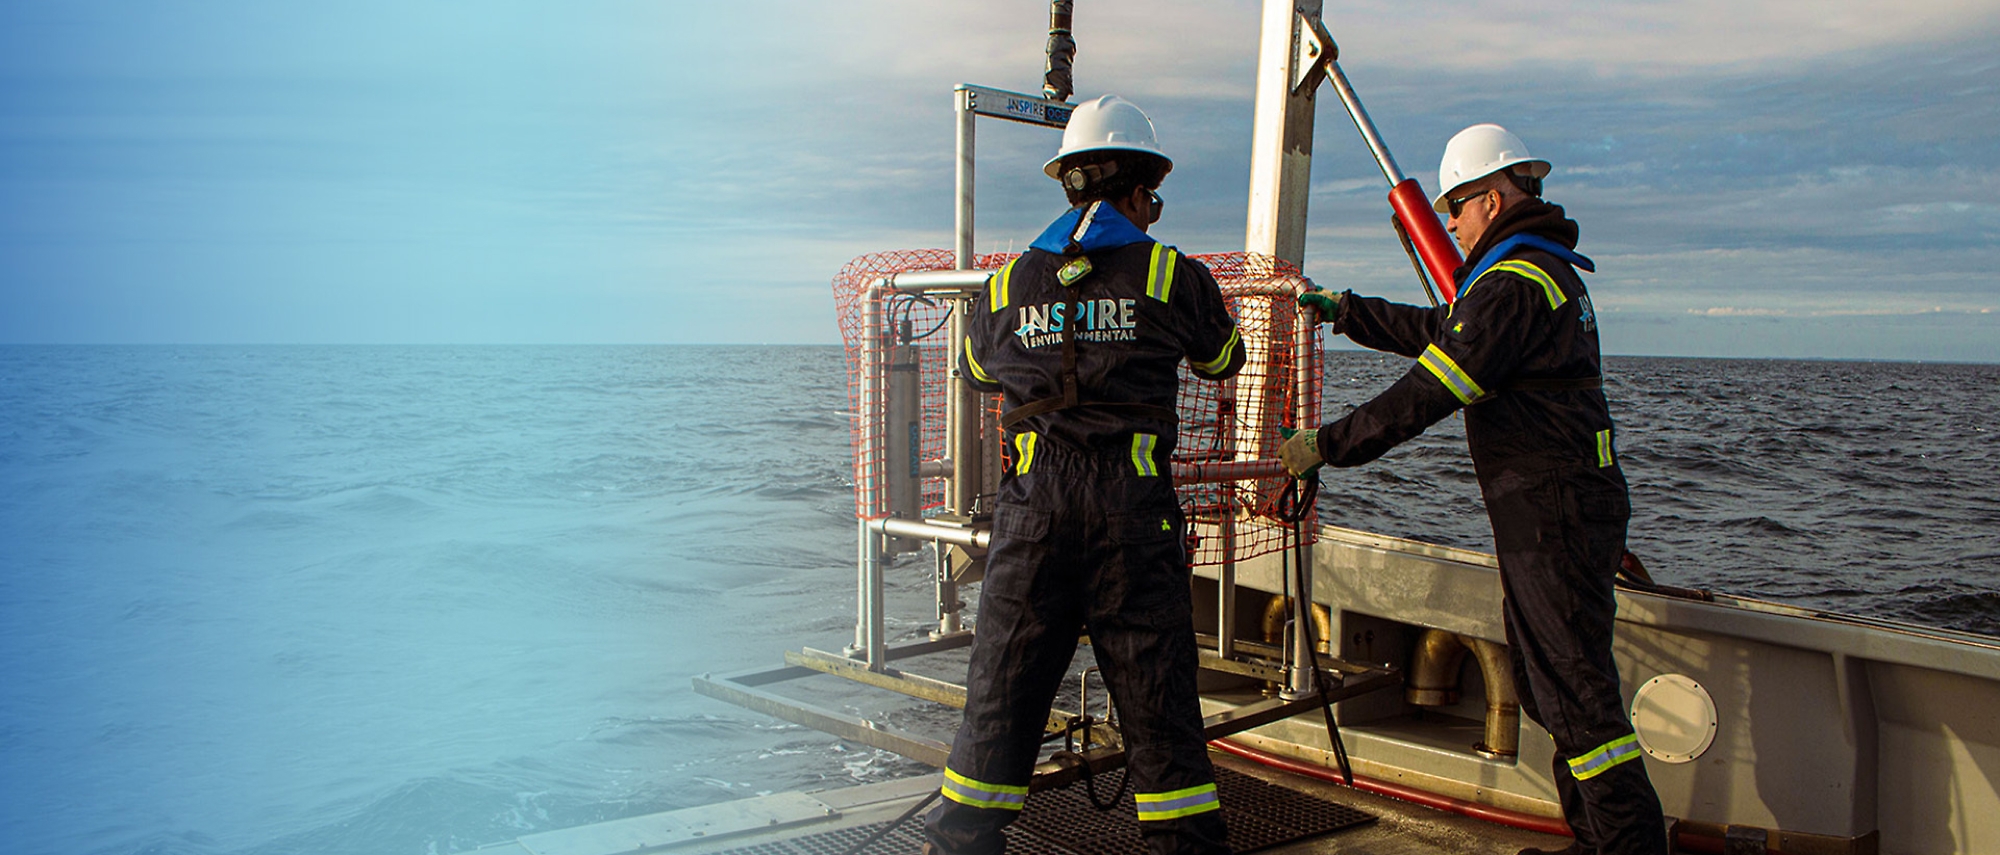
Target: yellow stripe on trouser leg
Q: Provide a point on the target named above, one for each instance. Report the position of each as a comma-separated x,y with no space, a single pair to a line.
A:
967,791
1604,457
1142,454
1604,757
1193,800
1453,377
1024,452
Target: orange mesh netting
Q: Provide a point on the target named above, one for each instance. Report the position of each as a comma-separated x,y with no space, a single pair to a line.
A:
1229,430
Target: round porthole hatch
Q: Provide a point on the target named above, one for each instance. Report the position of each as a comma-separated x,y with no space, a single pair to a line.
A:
1674,717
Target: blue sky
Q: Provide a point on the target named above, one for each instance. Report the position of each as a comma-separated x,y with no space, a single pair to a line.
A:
1789,178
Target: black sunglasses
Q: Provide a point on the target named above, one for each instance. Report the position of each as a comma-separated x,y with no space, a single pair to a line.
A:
1454,205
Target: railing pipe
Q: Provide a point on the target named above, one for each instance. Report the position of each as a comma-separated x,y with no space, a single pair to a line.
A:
964,281
977,538
1220,471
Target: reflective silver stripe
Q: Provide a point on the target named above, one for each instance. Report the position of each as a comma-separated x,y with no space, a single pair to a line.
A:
1453,377
996,286
1154,807
1604,757
967,791
1142,454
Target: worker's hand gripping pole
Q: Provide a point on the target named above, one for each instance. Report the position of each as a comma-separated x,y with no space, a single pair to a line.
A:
1439,254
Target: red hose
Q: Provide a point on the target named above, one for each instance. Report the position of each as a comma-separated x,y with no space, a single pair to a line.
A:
1434,246
1489,813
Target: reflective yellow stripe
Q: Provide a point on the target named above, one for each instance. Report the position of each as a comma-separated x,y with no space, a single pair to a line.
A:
1142,454
1160,272
978,371
1222,359
1604,449
1024,452
1533,274
1604,757
1154,807
996,287
967,791
1453,377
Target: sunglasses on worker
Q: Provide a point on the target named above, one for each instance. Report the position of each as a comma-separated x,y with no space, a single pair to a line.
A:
1454,205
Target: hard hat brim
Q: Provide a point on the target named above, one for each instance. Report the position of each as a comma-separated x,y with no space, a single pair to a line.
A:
1537,168
1053,168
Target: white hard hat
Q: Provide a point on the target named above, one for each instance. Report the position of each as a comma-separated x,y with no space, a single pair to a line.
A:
1107,123
1477,152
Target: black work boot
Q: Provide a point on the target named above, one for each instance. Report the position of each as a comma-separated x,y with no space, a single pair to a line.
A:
1571,849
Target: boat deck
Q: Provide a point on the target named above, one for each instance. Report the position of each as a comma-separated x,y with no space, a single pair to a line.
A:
829,822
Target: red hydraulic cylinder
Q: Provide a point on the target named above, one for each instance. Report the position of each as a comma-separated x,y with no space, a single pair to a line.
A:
1439,253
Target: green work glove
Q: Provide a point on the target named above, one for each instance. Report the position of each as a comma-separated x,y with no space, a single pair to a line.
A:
1327,305
1300,451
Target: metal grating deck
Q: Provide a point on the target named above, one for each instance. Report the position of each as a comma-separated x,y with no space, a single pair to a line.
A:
1063,822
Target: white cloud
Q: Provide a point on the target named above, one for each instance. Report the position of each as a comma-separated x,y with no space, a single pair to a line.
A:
1642,37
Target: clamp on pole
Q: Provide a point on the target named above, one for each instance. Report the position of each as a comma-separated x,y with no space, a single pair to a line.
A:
1320,61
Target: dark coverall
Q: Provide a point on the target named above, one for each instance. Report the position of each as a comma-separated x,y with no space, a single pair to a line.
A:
1087,533
1519,351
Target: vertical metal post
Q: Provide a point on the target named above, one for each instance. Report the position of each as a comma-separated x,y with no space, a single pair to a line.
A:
1225,581
968,468
1305,357
868,557
869,642
962,215
961,403
1280,186
868,481
1281,138
962,415
947,594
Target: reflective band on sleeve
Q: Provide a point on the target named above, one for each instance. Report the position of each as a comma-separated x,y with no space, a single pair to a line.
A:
1154,807
1024,452
978,371
996,287
1222,359
1604,757
1533,274
1160,272
966,791
1142,454
1453,377
1604,457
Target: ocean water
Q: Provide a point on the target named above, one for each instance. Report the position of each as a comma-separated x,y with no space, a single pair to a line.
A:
410,600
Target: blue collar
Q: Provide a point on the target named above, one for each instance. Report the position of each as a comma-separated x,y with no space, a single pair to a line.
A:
1107,229
1499,251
